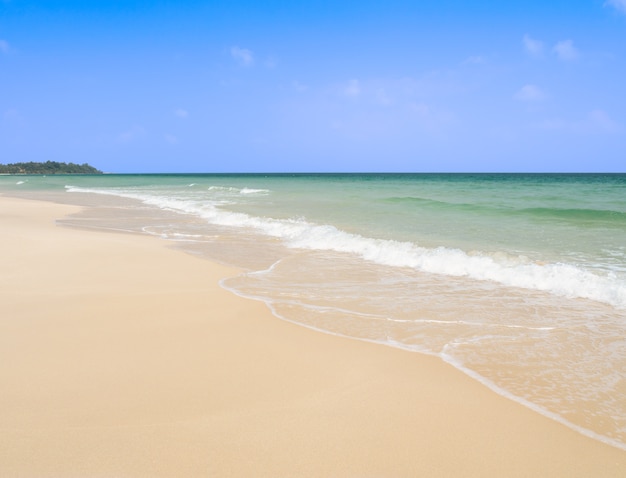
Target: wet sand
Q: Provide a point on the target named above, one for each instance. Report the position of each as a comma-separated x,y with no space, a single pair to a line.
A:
121,356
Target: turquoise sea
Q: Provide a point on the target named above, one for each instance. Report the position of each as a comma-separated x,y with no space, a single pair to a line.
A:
518,280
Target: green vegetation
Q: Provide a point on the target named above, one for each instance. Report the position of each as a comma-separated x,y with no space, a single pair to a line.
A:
49,167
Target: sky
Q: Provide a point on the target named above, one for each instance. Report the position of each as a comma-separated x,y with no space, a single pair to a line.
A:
315,86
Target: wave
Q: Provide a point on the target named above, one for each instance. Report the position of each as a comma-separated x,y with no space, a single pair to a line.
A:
238,190
587,215
564,214
433,203
254,191
561,279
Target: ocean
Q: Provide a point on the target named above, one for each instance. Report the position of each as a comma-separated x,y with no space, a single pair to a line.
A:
518,280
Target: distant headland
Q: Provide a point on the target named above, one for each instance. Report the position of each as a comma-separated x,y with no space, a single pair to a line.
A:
49,167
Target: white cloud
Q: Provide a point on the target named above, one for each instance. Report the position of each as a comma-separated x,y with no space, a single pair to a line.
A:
353,89
529,93
181,113
4,46
617,4
243,56
533,47
566,50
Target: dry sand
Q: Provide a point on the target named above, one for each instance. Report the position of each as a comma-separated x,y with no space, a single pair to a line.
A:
122,357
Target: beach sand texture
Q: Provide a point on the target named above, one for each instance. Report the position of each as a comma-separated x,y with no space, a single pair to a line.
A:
122,357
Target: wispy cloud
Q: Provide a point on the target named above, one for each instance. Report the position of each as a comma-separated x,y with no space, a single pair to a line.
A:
353,88
566,50
243,56
533,47
396,92
529,93
181,113
619,5
4,46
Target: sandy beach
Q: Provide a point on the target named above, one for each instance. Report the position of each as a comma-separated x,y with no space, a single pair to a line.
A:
121,356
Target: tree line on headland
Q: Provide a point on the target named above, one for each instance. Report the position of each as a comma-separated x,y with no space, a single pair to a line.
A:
49,167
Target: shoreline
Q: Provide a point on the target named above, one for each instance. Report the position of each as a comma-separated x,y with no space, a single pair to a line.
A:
459,367
179,377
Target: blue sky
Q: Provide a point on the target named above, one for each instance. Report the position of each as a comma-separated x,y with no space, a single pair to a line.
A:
212,86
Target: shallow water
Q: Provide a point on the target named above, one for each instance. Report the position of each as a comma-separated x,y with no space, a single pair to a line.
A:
518,280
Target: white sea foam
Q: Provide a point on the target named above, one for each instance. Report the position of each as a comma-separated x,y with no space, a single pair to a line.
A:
228,189
561,279
254,191
176,236
480,325
223,189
